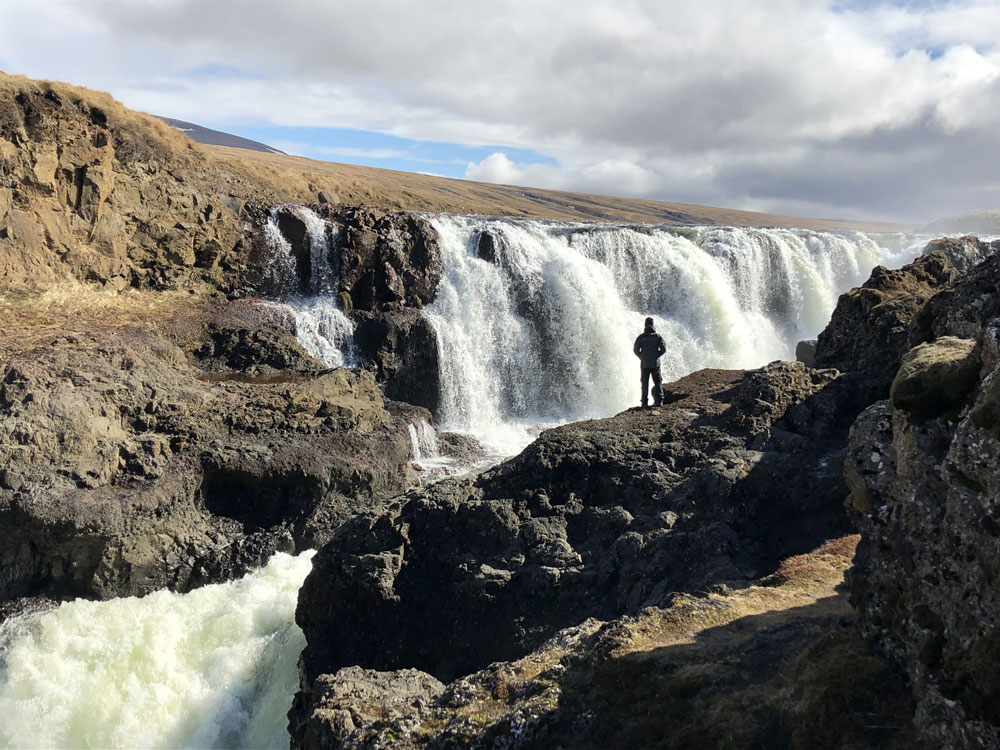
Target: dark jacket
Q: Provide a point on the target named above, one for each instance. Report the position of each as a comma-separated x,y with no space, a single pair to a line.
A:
648,347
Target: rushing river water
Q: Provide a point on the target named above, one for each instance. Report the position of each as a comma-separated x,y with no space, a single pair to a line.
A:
540,333
212,668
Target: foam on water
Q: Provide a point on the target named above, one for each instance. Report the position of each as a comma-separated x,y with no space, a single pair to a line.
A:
212,668
543,334
317,320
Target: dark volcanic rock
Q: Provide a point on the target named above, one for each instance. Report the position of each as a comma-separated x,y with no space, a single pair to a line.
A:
805,352
874,325
593,519
387,260
355,698
869,330
924,472
401,348
124,469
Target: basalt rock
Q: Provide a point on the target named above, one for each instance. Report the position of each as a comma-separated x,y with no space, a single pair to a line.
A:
869,330
594,519
387,261
125,468
924,472
401,349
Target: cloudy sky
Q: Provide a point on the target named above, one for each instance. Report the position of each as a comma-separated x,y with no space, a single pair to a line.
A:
832,108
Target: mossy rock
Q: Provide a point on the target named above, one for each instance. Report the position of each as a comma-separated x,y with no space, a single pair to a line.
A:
936,379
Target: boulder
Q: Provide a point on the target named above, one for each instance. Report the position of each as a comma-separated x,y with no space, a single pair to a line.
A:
935,378
805,352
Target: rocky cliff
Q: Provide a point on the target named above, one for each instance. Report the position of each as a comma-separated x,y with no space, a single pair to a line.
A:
595,519
924,471
633,520
130,463
154,429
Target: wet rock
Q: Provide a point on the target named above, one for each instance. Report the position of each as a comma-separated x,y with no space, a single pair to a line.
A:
805,352
293,228
401,348
387,261
126,469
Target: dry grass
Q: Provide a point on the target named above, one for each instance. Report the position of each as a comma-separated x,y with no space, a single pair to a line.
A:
138,136
304,178
773,667
765,667
29,320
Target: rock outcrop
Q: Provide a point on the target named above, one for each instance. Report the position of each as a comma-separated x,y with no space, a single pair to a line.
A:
924,472
595,519
91,191
870,329
127,467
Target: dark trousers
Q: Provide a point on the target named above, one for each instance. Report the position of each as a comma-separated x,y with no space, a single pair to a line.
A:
657,385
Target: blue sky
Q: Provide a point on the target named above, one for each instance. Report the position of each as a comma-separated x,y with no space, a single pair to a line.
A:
374,149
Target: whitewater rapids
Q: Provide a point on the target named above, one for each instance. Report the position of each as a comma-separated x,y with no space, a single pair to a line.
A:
542,332
212,668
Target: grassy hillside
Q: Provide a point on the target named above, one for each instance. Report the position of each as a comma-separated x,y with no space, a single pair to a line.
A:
93,191
406,190
978,222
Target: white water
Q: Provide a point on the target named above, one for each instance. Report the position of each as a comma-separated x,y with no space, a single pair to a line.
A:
212,668
317,320
544,335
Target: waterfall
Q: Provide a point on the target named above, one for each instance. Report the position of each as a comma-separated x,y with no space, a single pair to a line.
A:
317,320
212,668
424,442
536,323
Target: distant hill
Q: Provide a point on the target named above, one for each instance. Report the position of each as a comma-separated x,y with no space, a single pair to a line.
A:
978,222
200,134
301,179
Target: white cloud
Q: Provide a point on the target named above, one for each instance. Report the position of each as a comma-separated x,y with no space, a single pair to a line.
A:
785,104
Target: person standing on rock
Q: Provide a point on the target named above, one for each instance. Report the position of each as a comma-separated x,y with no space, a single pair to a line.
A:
648,348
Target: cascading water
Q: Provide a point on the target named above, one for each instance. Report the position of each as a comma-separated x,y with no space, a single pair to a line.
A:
212,668
540,329
318,322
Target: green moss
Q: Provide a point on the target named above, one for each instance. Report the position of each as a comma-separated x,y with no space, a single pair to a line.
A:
936,379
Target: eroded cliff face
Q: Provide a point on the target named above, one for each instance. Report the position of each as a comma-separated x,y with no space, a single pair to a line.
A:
155,430
924,471
594,519
131,463
91,191
870,330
